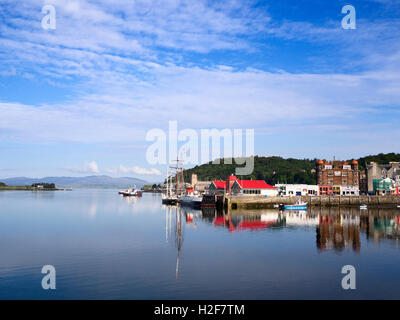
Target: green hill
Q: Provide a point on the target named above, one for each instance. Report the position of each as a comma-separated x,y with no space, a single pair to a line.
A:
270,169
380,158
277,169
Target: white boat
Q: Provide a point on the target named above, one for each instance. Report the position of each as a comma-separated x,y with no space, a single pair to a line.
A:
131,193
363,207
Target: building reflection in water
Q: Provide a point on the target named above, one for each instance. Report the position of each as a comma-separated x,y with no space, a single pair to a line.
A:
336,229
338,232
340,228
382,224
239,221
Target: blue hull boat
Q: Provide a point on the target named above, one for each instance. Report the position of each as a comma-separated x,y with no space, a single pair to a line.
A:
296,206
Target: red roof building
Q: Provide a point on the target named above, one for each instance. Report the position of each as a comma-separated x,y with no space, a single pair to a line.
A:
234,186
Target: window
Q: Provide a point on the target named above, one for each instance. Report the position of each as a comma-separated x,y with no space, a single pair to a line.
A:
330,174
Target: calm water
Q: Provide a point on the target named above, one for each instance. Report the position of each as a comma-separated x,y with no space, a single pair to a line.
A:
107,247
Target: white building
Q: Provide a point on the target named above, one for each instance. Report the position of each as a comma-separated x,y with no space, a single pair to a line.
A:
253,187
349,191
297,190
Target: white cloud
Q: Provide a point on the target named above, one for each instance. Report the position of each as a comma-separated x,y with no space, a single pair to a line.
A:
133,170
202,98
139,170
126,86
92,167
88,167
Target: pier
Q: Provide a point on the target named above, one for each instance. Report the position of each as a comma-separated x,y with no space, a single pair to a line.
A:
260,202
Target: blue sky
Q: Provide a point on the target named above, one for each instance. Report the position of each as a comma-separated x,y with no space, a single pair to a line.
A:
80,99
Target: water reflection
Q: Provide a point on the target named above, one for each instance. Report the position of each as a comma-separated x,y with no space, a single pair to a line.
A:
249,222
336,229
338,232
173,218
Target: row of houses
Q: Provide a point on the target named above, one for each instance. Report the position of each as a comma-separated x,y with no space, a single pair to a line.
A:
235,186
339,177
332,177
381,179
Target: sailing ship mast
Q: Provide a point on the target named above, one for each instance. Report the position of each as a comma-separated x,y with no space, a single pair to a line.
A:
178,177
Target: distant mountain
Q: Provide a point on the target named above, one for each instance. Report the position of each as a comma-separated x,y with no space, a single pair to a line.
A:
90,181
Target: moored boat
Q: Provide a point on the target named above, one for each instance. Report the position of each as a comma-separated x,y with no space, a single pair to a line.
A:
131,193
191,200
169,199
299,205
169,196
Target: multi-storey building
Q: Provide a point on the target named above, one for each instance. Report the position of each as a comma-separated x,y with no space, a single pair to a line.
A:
331,175
375,171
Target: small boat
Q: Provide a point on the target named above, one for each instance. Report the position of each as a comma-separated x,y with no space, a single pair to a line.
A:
299,205
131,193
363,207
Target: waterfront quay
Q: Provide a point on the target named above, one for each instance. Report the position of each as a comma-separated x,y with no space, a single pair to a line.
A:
260,202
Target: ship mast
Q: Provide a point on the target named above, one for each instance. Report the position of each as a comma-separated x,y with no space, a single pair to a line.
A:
178,176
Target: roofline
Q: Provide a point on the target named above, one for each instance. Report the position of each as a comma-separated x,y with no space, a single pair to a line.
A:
271,187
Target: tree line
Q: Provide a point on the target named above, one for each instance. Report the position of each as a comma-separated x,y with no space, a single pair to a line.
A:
275,169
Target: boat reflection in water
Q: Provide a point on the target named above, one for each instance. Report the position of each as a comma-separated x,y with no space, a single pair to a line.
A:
173,218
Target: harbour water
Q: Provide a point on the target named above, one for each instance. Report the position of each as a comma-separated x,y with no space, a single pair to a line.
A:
104,246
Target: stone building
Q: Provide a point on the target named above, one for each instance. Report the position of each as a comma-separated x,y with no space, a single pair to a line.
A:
375,171
337,173
199,186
